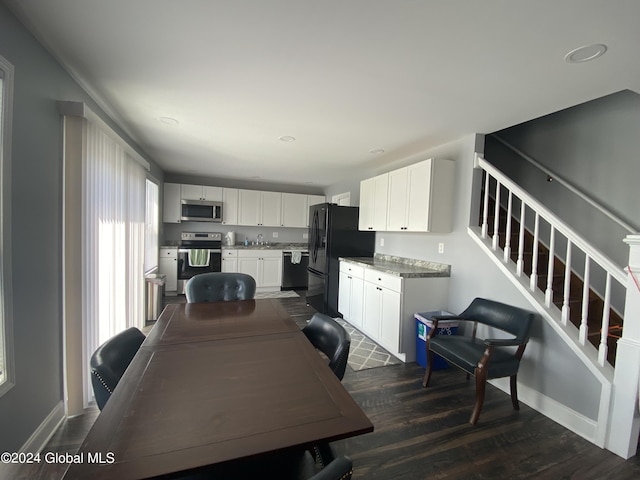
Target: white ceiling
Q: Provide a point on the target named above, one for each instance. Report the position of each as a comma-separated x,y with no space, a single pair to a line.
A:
341,76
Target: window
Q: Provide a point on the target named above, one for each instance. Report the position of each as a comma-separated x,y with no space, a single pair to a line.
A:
6,311
151,228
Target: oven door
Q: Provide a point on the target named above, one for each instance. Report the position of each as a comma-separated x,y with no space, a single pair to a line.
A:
191,263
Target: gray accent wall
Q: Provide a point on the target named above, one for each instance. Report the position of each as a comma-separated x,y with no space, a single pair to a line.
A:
36,229
594,146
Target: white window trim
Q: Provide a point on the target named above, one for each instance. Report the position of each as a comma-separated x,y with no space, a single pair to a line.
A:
6,290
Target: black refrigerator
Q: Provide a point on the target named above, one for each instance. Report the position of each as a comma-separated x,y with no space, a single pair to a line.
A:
333,233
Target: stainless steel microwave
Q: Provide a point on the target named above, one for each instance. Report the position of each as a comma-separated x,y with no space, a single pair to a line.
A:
200,211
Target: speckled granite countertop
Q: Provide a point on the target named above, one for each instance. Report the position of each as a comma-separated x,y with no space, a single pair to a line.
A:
270,246
402,267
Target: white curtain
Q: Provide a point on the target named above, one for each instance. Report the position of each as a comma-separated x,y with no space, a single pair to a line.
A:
113,243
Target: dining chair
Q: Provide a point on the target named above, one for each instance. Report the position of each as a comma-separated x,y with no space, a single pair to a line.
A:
220,286
340,468
483,358
331,339
111,359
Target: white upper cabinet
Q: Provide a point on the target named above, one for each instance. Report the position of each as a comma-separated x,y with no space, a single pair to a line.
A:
171,203
243,207
229,206
295,210
259,208
201,192
416,198
373,203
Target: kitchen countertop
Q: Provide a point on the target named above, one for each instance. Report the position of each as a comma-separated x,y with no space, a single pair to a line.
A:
400,266
269,246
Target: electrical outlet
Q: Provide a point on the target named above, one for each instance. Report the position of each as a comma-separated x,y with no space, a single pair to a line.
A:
382,242
441,247
305,236
275,234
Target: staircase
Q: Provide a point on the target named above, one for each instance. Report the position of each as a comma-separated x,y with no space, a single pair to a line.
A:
578,294
576,290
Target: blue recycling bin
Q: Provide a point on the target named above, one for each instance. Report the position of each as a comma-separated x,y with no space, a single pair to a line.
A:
423,327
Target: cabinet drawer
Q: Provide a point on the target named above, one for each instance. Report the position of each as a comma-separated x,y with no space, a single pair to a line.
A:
168,253
351,269
384,280
229,253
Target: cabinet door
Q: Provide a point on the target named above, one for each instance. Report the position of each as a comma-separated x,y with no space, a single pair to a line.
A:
357,302
169,267
419,197
398,198
250,266
191,192
380,200
171,203
271,209
229,206
344,296
212,194
271,272
390,320
295,211
365,220
312,200
249,204
229,265
372,310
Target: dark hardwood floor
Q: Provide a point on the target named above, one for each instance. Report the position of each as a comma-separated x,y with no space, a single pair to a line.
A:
425,434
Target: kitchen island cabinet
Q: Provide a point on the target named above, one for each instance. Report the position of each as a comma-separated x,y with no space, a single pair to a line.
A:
393,290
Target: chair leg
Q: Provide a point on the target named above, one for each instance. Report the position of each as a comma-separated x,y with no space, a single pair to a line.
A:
427,372
514,392
481,381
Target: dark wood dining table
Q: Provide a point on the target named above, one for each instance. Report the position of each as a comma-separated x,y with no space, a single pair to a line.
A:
212,383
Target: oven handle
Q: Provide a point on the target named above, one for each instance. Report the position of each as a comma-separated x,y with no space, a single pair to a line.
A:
211,250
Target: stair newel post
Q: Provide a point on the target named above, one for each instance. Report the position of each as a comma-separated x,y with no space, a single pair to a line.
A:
485,209
533,280
496,218
548,294
584,328
624,426
567,285
507,238
520,263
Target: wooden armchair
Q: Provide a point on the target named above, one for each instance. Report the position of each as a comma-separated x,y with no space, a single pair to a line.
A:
483,358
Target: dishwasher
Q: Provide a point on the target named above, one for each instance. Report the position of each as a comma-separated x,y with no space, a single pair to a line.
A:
294,275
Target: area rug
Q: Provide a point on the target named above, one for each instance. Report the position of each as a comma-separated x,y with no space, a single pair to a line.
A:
282,294
364,352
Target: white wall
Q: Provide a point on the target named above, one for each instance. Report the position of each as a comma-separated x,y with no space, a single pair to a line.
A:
549,366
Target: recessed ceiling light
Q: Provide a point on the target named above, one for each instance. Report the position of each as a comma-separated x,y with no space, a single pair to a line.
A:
376,151
585,53
169,120
287,138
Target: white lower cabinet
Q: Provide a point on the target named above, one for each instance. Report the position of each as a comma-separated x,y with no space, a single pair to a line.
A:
229,260
385,309
168,265
265,266
351,293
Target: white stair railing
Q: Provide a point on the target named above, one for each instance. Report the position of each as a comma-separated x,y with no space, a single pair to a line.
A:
599,275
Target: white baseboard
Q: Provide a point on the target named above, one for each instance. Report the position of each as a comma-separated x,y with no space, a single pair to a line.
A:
586,427
45,431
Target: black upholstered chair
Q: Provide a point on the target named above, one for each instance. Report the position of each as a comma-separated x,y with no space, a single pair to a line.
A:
111,359
330,338
484,358
340,468
220,286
